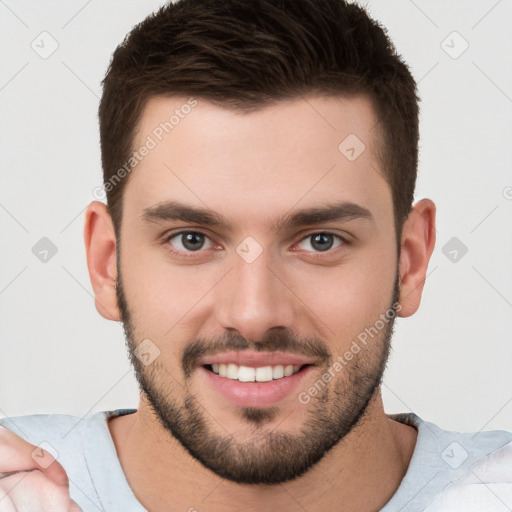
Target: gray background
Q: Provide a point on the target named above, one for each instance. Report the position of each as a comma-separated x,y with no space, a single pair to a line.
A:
451,361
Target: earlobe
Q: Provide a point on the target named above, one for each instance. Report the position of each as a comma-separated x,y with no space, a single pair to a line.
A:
100,246
418,241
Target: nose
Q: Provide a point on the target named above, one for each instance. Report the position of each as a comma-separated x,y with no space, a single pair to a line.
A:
254,297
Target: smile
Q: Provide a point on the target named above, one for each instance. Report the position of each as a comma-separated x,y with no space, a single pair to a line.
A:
253,374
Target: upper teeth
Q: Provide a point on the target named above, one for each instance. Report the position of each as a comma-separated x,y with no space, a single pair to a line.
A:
250,374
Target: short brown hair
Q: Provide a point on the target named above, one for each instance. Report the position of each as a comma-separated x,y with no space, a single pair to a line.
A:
246,54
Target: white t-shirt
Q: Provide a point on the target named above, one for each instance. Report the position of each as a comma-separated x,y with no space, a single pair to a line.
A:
448,472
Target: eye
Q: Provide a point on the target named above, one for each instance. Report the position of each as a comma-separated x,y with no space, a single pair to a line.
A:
188,241
322,242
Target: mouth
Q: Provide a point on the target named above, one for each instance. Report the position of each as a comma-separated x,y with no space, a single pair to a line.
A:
249,374
254,386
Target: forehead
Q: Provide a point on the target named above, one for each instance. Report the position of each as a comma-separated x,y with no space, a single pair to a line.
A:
296,153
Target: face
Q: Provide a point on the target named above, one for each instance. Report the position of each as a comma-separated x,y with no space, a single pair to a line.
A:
290,266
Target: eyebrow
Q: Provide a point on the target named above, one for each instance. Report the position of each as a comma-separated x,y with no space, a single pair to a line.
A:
175,210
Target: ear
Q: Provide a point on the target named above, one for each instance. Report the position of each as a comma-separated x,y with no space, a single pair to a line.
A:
418,240
100,246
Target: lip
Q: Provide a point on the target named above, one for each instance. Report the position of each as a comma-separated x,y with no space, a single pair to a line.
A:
255,394
257,359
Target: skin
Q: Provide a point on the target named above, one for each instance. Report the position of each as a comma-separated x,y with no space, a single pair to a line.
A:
31,478
277,159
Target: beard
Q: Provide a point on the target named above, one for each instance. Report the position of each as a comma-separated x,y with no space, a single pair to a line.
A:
271,456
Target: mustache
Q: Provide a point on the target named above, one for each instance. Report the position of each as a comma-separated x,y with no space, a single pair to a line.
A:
275,339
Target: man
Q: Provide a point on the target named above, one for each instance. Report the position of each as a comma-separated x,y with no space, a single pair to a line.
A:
259,241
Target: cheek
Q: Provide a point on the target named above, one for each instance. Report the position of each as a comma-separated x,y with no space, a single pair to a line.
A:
350,298
161,294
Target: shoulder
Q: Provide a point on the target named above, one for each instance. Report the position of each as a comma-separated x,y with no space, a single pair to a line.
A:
62,429
35,427
452,471
485,485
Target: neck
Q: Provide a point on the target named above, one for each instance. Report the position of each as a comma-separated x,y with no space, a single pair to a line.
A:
164,477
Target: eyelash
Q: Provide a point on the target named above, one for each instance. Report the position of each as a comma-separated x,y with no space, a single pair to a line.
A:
193,254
